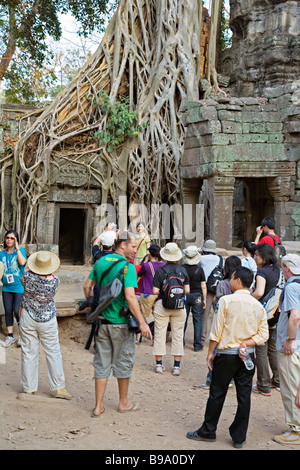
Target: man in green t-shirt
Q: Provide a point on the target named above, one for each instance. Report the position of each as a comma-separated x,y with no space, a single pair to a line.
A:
115,343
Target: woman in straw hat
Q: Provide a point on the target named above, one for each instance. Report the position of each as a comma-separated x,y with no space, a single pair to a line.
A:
196,300
39,324
171,253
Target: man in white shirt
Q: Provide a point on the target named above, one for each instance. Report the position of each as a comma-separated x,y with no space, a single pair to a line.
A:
241,323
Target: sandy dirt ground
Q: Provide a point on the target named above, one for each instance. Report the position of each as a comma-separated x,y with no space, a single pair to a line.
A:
169,406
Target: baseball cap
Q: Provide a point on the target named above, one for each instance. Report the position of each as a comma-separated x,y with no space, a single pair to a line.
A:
108,238
293,262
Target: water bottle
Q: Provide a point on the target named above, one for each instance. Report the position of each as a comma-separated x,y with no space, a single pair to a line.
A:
247,361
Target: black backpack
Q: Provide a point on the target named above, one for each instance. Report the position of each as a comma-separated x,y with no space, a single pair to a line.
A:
173,290
215,276
280,251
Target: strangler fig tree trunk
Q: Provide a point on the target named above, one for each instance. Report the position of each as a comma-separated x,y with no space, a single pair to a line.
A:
150,53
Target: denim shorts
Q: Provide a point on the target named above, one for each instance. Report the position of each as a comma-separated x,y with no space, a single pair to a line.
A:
115,351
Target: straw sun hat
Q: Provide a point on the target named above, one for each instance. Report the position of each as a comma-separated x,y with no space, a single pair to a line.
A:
171,252
191,255
43,262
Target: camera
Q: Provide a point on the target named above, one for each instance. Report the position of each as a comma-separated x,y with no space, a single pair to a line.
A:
90,302
133,324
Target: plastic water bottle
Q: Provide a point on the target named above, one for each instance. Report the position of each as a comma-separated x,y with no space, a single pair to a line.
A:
247,361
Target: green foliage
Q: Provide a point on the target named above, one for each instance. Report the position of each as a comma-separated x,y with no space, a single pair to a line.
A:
27,25
122,123
226,36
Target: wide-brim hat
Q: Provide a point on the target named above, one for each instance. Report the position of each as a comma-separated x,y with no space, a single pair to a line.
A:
171,252
1,269
210,246
43,262
191,255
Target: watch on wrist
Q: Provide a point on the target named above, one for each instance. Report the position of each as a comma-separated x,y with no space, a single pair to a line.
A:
289,339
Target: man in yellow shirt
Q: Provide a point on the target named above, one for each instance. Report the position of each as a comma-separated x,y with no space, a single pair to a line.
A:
240,324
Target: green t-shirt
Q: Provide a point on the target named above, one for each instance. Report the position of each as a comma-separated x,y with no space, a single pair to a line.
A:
111,313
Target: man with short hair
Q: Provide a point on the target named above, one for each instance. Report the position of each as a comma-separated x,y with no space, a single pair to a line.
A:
288,348
115,343
266,227
241,322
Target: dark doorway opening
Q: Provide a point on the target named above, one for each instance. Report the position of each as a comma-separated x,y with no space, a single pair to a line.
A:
71,235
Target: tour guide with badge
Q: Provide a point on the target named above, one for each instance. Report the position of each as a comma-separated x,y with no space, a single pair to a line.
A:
14,260
115,342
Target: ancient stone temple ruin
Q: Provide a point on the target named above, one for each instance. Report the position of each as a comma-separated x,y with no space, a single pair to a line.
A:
234,155
242,149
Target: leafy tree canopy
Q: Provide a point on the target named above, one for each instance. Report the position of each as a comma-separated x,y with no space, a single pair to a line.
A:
26,24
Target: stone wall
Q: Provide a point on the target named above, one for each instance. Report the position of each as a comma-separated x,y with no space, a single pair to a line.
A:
265,48
251,140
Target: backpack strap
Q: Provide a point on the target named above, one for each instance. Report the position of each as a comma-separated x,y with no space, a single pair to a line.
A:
110,267
275,241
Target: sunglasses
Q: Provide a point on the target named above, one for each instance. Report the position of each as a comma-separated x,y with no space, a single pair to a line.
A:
9,238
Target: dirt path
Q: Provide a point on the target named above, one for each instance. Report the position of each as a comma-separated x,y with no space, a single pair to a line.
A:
170,406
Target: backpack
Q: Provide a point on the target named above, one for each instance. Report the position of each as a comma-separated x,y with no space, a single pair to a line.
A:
108,293
215,276
280,251
274,319
173,290
271,302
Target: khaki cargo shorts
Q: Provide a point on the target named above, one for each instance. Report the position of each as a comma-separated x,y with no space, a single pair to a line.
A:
115,351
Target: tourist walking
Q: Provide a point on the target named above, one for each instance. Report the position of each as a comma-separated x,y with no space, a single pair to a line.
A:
240,324
115,343
196,299
288,349
267,277
171,284
146,273
14,259
208,262
38,324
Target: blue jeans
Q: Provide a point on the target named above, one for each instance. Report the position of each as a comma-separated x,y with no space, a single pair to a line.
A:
194,303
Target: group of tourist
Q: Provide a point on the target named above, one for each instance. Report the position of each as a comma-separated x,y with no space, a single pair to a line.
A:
227,302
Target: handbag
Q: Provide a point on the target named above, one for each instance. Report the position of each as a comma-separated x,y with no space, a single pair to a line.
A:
107,293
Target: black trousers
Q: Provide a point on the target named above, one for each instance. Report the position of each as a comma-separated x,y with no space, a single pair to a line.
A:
11,303
226,367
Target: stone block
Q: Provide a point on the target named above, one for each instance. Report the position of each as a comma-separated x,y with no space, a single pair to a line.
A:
252,117
230,127
227,115
292,127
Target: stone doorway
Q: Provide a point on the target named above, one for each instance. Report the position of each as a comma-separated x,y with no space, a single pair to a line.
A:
71,235
252,202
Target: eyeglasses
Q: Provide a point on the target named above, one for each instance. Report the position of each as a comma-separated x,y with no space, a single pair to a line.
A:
9,238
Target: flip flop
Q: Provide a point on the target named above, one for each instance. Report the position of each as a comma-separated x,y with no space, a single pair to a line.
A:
135,407
97,416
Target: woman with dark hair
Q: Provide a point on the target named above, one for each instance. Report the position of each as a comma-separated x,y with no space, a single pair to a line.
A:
14,260
267,277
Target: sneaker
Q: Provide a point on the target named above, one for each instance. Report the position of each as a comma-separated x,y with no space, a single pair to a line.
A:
9,341
238,445
159,368
255,389
288,438
176,370
63,393
196,436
